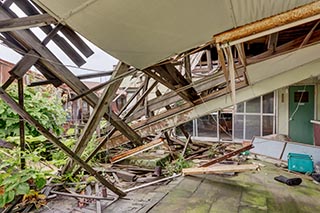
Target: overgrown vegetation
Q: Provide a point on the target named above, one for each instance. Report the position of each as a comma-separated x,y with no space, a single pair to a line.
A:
14,181
42,104
47,108
177,165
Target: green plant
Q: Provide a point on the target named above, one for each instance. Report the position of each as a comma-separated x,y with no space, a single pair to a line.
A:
41,104
177,165
14,181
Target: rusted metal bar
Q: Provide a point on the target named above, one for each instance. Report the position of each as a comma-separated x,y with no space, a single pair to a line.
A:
229,155
26,116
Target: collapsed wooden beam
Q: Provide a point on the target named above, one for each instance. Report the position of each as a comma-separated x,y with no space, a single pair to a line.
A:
137,150
286,20
219,169
26,22
226,156
124,117
52,63
98,112
100,86
26,116
85,76
29,9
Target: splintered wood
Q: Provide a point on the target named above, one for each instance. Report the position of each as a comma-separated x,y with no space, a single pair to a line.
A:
219,169
229,155
136,150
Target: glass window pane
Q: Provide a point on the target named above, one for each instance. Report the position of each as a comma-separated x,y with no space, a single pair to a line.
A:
268,103
207,126
253,106
267,125
238,126
188,127
240,107
252,126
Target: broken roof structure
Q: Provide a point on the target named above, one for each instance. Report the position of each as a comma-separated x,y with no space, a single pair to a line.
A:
253,47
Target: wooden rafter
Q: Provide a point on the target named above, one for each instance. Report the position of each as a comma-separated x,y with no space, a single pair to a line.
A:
124,117
25,115
98,112
170,77
52,63
26,22
30,10
85,76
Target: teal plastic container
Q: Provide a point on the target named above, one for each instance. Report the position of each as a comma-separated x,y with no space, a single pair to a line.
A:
300,163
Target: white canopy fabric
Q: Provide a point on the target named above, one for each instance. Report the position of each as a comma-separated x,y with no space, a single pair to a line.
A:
145,32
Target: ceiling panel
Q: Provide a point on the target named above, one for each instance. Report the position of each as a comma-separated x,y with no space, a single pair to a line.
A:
145,32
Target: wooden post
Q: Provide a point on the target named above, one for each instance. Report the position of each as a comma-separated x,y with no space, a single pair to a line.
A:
21,123
187,66
98,112
24,114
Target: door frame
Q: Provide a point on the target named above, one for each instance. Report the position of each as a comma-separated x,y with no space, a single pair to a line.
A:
315,100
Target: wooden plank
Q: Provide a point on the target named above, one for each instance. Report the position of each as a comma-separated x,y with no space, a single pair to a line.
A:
26,116
136,150
186,145
219,169
130,100
272,41
30,10
306,39
61,72
100,86
113,130
226,156
172,97
182,81
187,66
98,112
140,100
164,81
85,76
26,22
76,40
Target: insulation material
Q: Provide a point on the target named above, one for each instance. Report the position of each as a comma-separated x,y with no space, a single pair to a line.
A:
143,32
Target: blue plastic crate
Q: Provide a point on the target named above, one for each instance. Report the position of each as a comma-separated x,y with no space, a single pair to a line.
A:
300,163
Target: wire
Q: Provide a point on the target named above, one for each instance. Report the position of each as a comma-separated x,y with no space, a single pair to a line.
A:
298,105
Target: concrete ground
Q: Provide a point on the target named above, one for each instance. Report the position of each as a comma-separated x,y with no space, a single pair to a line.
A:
247,192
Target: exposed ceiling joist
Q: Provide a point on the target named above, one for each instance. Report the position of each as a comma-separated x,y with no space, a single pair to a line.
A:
267,26
26,22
